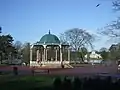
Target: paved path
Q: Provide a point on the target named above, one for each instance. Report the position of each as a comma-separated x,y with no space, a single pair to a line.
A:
66,71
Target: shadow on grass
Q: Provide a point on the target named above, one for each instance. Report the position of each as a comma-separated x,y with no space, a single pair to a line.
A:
59,83
22,85
27,83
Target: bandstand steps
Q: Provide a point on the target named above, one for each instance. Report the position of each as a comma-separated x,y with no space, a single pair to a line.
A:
68,66
51,66
35,64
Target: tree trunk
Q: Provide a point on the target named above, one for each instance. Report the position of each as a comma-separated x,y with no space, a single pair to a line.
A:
82,57
0,58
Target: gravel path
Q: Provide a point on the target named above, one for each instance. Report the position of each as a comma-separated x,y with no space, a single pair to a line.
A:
66,71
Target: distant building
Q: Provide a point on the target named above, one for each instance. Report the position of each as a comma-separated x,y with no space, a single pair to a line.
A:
93,55
94,58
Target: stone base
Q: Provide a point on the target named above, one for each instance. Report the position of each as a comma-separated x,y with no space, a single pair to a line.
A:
49,64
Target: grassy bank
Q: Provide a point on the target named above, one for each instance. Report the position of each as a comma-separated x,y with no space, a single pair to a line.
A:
26,83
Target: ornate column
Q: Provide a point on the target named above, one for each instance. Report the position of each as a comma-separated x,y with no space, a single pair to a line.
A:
44,55
60,53
31,52
68,54
37,56
56,55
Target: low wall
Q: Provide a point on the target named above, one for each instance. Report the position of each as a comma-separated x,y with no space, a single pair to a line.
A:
35,63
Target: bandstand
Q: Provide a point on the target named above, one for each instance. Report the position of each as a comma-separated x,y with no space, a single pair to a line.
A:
49,51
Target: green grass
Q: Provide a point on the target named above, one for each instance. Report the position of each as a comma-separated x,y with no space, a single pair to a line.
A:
26,83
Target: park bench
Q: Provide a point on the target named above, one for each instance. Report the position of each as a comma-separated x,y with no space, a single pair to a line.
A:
46,71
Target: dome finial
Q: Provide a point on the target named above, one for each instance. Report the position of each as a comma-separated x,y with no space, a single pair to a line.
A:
49,31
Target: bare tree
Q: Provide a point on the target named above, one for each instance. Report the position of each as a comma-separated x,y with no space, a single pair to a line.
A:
116,5
113,29
18,47
63,38
77,38
103,49
26,53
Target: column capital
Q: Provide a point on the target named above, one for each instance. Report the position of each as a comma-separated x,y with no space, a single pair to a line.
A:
44,46
69,48
56,48
60,46
31,46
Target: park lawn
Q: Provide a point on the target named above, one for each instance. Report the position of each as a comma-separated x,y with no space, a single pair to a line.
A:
27,83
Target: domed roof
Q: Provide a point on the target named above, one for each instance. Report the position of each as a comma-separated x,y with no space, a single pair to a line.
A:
49,39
